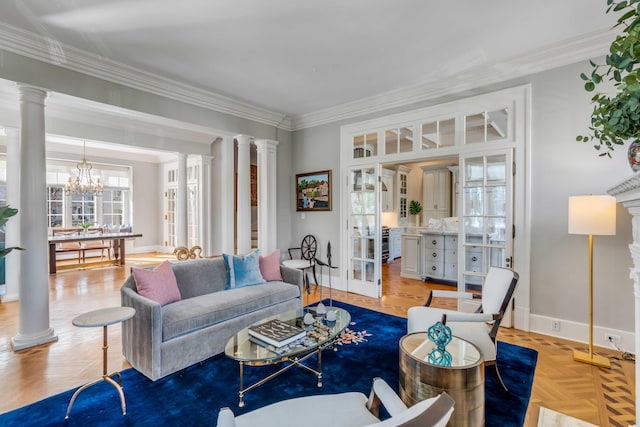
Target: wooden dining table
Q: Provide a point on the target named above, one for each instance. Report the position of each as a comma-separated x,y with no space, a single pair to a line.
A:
117,238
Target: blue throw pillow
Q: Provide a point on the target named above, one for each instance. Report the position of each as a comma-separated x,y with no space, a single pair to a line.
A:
243,270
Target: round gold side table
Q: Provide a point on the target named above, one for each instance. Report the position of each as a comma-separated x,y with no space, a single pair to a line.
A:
463,380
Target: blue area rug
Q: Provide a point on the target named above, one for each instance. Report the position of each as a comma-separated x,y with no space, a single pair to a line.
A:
193,396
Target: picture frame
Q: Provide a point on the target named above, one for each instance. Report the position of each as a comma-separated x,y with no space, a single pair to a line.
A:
313,191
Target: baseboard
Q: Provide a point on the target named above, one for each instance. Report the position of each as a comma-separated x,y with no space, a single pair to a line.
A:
579,332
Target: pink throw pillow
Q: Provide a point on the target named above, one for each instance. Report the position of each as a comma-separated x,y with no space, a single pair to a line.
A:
270,266
159,284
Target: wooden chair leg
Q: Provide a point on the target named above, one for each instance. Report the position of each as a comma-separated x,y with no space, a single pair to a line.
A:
496,374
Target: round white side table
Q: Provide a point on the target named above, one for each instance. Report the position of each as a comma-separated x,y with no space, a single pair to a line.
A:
103,317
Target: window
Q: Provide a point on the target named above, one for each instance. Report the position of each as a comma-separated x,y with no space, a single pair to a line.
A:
439,133
486,126
193,206
398,140
83,210
113,206
365,145
55,206
110,208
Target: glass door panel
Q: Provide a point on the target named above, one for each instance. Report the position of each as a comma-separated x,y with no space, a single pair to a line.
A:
487,212
363,224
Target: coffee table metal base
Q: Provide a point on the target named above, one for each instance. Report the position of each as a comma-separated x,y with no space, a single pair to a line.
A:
296,361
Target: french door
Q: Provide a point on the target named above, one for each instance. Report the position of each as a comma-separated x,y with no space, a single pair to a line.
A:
363,229
487,216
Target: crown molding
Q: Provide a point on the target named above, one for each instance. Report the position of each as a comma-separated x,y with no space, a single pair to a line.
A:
53,52
569,52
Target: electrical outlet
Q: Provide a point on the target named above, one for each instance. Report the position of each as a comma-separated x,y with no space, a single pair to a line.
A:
615,339
555,325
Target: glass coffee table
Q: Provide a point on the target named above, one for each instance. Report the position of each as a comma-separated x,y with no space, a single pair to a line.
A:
320,335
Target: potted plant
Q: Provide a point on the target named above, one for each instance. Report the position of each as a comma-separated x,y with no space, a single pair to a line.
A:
5,213
414,209
615,119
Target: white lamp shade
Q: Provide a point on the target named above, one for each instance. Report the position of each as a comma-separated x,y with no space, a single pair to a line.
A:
595,215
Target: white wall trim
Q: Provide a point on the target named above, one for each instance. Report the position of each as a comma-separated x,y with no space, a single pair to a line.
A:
579,332
588,46
53,52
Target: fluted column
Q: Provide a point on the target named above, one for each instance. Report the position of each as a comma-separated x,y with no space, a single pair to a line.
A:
243,224
182,212
33,325
12,237
267,195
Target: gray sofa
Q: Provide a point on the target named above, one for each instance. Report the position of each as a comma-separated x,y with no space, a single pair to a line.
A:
158,341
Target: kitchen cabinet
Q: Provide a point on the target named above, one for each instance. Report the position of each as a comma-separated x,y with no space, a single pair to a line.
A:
411,261
387,194
436,194
440,260
395,243
402,174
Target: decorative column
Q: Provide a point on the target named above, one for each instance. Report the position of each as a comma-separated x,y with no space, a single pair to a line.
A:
243,194
12,237
205,204
182,212
628,192
267,195
33,324
226,207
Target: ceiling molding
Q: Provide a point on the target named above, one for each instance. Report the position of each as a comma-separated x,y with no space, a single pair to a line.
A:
579,49
51,51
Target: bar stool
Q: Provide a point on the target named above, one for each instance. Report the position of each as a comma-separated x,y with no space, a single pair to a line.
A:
103,317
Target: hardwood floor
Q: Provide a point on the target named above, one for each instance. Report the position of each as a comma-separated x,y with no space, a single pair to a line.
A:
600,396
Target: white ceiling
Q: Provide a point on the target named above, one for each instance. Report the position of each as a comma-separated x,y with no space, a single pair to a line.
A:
302,57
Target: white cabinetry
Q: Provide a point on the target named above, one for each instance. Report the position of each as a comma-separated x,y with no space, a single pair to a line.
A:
474,260
411,261
436,194
388,195
440,256
401,190
395,243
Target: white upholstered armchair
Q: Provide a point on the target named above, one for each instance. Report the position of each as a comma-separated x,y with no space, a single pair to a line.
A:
345,410
479,328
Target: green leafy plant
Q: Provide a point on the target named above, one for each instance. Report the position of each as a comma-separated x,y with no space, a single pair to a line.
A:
615,120
85,226
415,207
5,213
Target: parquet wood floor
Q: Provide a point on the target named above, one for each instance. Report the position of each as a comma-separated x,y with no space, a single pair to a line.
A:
600,396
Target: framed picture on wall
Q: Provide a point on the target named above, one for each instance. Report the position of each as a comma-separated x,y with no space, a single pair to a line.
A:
313,191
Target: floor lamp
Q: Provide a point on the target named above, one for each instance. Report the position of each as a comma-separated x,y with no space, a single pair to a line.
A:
592,215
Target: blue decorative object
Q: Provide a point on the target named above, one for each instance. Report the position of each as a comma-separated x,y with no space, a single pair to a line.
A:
441,336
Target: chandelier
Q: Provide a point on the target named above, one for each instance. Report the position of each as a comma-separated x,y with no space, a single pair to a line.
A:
84,183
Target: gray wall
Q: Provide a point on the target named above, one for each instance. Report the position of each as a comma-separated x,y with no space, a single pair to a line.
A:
560,167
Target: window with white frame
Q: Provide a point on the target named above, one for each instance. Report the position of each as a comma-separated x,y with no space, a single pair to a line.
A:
113,206
83,210
110,208
66,211
193,205
55,206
